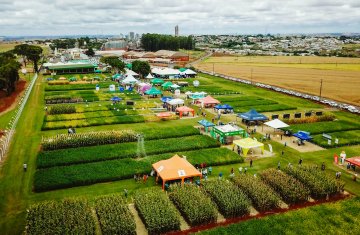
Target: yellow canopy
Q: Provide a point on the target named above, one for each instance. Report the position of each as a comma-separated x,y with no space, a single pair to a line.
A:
247,144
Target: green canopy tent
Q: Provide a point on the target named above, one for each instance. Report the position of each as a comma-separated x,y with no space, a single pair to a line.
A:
153,92
225,131
206,124
157,81
98,71
182,69
72,79
129,66
167,85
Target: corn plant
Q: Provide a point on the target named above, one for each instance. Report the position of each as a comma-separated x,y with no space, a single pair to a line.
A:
156,211
230,200
87,139
114,215
290,189
262,196
62,109
193,204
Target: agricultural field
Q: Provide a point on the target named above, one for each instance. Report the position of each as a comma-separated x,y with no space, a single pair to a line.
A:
340,75
86,180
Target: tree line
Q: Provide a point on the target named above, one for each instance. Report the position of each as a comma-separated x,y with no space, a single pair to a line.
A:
155,42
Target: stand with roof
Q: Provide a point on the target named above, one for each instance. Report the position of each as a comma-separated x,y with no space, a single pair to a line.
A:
226,133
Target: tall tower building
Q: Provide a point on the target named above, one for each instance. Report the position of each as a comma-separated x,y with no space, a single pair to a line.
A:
176,30
132,35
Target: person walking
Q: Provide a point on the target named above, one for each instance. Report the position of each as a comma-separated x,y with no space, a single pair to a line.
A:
323,166
251,162
278,166
25,167
125,192
300,161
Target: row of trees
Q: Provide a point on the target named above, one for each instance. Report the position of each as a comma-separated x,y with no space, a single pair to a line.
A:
83,42
140,67
154,42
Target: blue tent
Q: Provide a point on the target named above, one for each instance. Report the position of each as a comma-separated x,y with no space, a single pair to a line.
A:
252,115
206,124
224,106
303,135
165,99
115,98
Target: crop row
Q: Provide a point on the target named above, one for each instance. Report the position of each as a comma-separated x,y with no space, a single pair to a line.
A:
114,216
319,183
193,204
230,200
265,108
69,216
91,173
225,99
123,150
95,122
77,86
344,137
291,190
156,211
87,139
62,109
325,127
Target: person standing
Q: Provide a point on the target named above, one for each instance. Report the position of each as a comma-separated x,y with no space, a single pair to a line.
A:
210,170
126,192
251,162
25,167
323,166
300,161
278,166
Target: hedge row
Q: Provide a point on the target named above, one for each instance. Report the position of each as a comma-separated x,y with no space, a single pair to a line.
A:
79,155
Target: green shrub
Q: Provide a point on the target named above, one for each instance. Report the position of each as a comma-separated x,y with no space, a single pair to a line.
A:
262,196
193,204
230,200
114,216
291,190
156,211
69,216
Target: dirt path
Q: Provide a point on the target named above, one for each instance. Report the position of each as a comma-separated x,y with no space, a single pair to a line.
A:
140,226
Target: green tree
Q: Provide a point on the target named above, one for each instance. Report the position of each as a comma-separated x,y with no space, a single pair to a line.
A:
115,63
22,50
90,52
9,72
141,67
34,54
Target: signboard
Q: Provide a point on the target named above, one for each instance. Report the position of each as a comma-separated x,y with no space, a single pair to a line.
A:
112,88
181,173
196,83
177,92
270,148
160,168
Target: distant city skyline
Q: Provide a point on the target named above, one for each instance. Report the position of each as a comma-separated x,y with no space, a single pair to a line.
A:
110,17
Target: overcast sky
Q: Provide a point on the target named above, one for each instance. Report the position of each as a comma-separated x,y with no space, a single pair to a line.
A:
69,17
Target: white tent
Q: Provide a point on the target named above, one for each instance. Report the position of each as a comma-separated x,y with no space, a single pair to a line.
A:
176,101
276,123
149,76
129,80
188,93
175,86
130,72
190,72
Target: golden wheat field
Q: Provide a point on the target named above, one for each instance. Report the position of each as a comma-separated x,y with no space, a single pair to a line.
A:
341,76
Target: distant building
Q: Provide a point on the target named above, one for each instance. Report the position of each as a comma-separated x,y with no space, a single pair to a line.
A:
132,36
115,45
176,30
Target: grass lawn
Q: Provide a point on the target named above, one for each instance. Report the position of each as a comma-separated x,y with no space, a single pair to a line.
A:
16,186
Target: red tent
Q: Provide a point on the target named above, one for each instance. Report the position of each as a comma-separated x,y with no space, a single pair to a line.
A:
164,115
208,101
354,160
185,109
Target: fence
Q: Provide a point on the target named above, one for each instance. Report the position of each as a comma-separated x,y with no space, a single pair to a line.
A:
5,140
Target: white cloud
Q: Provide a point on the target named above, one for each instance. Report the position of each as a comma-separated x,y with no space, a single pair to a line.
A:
65,17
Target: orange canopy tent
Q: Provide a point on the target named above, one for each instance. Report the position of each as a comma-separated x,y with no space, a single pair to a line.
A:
354,160
208,101
185,109
175,168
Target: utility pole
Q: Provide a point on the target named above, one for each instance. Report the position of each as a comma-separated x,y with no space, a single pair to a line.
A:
321,82
213,68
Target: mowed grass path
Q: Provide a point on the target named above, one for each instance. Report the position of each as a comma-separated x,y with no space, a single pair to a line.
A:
16,186
340,75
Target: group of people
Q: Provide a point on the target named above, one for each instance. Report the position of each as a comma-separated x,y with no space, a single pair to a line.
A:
138,178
